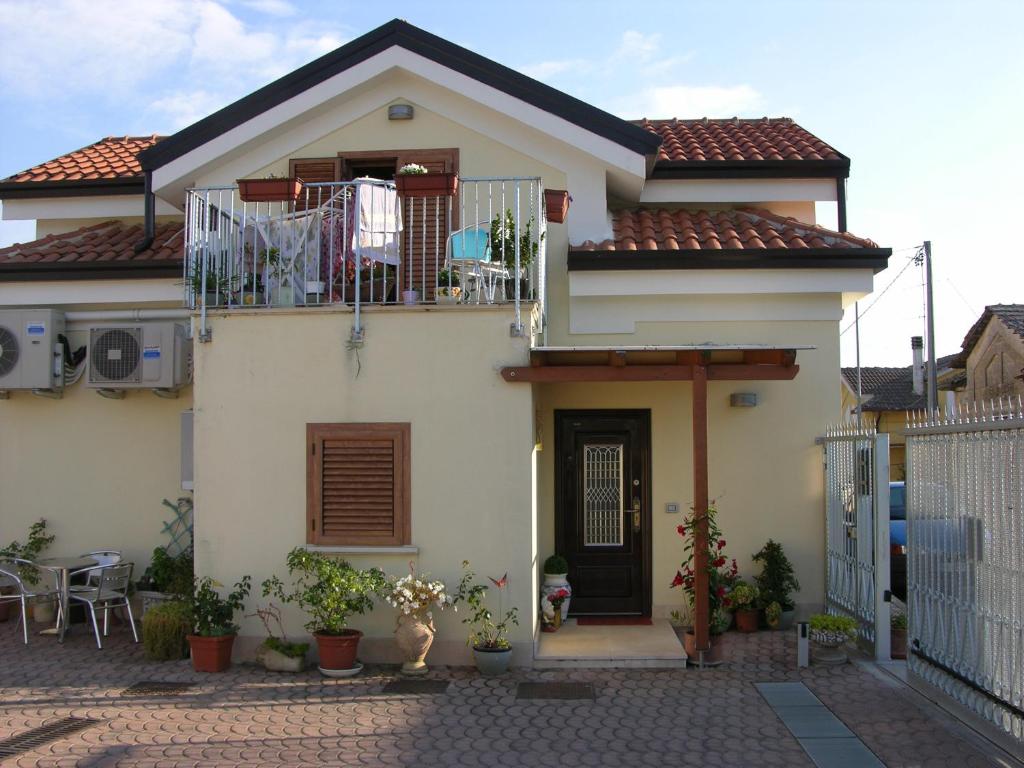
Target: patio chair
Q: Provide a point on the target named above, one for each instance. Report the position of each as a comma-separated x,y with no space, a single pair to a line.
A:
111,591
11,577
102,557
469,249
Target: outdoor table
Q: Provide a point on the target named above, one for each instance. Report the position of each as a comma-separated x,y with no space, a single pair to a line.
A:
64,566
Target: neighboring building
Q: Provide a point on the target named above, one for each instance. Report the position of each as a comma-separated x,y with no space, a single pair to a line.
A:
561,407
993,354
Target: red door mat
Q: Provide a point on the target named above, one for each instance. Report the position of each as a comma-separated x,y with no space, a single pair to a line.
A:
613,621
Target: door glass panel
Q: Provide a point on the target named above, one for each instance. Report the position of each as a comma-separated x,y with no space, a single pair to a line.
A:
602,495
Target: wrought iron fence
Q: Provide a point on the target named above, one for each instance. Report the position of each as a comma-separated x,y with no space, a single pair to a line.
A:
965,545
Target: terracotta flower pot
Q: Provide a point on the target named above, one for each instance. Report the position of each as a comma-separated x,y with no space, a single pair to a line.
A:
211,654
712,657
338,651
746,619
556,204
269,190
898,643
414,637
427,184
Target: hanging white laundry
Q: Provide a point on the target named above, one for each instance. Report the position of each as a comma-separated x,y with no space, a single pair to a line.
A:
380,222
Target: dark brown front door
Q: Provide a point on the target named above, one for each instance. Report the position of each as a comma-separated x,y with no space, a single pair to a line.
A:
602,509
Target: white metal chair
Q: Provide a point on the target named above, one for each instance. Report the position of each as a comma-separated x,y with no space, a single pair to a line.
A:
469,249
111,591
102,557
11,576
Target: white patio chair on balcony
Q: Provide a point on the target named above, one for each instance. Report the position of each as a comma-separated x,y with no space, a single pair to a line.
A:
17,589
111,591
469,250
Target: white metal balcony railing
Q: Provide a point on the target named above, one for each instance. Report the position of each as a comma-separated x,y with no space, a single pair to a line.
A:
358,243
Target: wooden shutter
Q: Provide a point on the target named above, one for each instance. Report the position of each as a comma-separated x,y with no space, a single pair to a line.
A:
314,170
358,481
433,227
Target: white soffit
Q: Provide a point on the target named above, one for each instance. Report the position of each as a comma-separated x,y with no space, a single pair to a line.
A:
719,281
738,190
48,293
221,146
87,207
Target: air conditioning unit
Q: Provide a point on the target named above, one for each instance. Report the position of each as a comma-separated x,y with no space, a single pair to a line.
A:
31,357
153,356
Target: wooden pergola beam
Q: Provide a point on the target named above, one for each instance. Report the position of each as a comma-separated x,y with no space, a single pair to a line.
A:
552,374
701,607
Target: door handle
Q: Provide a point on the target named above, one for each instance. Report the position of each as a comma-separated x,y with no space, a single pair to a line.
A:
636,513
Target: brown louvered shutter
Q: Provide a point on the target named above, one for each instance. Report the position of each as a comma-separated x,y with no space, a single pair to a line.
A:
358,484
314,170
427,221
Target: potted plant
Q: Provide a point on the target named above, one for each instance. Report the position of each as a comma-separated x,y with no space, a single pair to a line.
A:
270,189
449,289
281,277
213,626
721,579
415,598
744,600
777,582
413,180
329,590
830,636
278,654
556,600
38,540
376,281
898,636
168,577
556,204
503,248
488,638
165,631
556,573
213,288
773,615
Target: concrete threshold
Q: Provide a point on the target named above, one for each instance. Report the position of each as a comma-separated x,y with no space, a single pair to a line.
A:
610,647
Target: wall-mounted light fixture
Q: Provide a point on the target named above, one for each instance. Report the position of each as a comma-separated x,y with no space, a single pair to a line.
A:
400,112
743,399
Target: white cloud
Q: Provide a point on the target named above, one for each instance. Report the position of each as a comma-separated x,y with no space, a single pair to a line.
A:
176,110
638,46
271,7
692,101
547,69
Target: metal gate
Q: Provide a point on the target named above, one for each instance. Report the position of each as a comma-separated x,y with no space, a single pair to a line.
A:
857,531
965,545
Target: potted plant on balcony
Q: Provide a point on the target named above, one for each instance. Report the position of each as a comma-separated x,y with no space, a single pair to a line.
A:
744,600
38,540
376,281
492,650
278,654
449,288
213,625
415,598
777,582
556,578
329,590
503,248
830,636
413,180
556,204
270,189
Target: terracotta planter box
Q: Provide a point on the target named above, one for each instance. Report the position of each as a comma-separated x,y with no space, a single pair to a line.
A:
211,654
269,190
746,620
427,184
338,651
556,204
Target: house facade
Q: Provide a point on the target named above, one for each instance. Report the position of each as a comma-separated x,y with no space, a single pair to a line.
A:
592,382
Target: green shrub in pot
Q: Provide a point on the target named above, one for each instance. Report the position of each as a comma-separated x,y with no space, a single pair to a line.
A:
165,631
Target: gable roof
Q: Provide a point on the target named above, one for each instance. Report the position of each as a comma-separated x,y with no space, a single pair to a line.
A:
892,389
104,251
709,148
401,33
646,238
110,166
1011,315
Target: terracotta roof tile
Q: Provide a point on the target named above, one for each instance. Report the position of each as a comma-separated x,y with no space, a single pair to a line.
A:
107,241
892,389
735,139
114,157
658,229
1011,315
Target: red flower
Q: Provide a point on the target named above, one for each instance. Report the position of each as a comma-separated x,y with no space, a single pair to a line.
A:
719,562
499,583
681,530
726,602
721,543
678,580
720,592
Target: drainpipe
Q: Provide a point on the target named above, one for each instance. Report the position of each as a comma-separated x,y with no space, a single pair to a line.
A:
841,203
149,231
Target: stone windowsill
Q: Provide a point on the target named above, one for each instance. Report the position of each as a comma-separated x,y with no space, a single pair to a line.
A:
408,549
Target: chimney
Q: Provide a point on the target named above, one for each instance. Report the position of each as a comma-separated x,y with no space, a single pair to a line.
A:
917,348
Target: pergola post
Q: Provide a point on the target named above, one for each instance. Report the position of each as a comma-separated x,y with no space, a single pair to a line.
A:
701,608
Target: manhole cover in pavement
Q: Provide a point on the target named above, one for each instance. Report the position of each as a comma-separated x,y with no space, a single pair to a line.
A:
416,686
560,691
44,734
156,688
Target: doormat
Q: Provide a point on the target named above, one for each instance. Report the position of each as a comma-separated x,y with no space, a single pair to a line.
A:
557,691
44,734
614,621
416,687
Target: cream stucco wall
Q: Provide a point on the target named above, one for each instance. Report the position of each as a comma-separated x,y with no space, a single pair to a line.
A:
266,375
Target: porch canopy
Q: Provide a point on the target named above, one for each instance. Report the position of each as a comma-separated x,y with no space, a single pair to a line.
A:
699,363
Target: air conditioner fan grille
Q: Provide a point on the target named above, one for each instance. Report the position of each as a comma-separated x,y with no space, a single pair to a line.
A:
8,351
116,355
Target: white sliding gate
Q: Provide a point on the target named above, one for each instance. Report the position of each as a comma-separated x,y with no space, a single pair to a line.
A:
857,531
965,545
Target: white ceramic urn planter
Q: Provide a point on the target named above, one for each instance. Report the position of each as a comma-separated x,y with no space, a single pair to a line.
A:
554,582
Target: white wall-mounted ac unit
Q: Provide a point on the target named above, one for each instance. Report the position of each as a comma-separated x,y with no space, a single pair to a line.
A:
144,356
31,357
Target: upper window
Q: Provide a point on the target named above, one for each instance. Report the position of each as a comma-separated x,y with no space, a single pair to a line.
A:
358,482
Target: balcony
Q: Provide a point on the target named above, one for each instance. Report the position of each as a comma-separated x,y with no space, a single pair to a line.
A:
362,244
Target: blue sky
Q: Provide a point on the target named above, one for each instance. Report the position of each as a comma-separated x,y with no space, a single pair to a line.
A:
925,97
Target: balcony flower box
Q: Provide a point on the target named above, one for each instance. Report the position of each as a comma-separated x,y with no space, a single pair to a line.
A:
269,190
427,184
556,204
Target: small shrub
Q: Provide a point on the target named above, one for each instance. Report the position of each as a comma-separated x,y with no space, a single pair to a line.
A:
773,614
556,564
170,574
291,650
165,630
827,627
744,596
776,582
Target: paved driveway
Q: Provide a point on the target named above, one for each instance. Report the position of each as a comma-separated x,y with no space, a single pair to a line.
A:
636,718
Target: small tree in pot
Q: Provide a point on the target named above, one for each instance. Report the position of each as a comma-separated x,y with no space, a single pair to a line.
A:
213,623
492,650
329,590
38,540
777,582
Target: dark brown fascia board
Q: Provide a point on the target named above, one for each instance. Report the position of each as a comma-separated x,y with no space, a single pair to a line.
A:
437,49
91,270
751,169
25,190
741,258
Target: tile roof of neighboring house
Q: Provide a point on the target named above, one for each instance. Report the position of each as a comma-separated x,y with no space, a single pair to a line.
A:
735,139
114,157
659,229
892,389
1011,315
98,250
